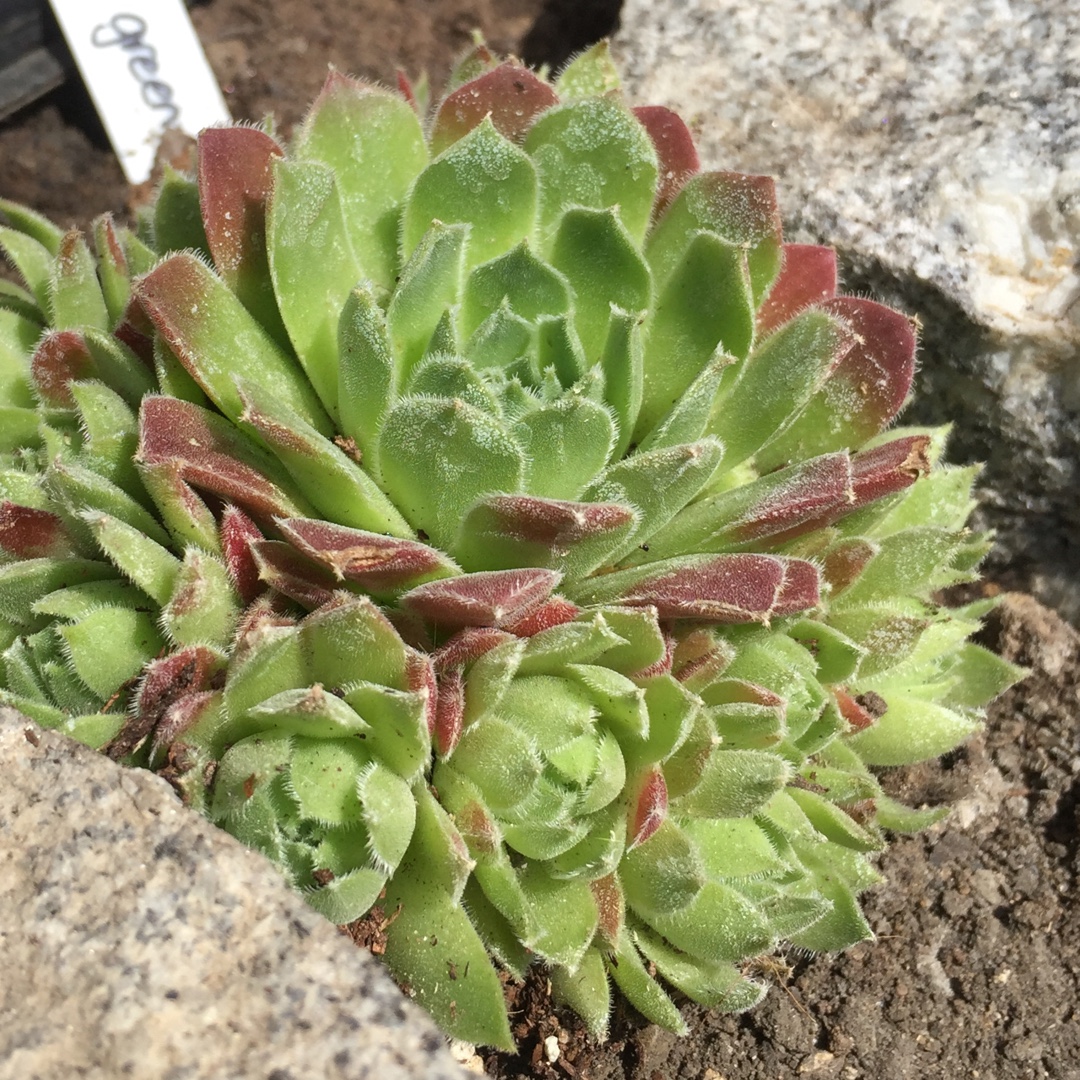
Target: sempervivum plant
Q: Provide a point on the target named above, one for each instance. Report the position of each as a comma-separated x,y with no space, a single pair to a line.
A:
490,519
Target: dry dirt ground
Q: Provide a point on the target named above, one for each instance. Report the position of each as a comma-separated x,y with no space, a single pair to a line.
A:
976,973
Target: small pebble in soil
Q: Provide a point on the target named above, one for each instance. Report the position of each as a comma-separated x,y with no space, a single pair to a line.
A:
465,1054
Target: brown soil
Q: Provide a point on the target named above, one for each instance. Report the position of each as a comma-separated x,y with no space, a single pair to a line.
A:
976,973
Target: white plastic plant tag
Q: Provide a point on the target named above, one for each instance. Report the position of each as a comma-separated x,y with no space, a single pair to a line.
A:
145,70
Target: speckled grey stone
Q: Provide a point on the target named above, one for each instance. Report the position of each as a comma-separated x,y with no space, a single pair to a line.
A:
136,940
937,145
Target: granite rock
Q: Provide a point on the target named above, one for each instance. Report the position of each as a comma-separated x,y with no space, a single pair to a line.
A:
137,940
937,146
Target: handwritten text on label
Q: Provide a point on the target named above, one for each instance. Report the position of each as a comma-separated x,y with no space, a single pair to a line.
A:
128,32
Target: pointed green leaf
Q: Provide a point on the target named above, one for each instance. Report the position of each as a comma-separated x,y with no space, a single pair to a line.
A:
389,814
434,949
626,969
734,848
203,608
33,262
905,819
586,990
78,601
560,358
352,640
113,270
76,300
565,916
398,719
687,420
741,210
529,286
718,924
79,488
110,646
593,153
735,784
147,563
776,382
589,73
450,377
177,216
657,483
323,778
110,432
596,253
217,340
482,180
500,340
32,224
911,730
439,457
704,308
717,985
663,875
367,379
313,267
349,896
340,489
373,142
430,282
565,445
500,761
913,562
837,826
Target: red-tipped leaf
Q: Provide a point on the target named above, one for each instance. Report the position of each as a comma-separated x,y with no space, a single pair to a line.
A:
675,150
845,561
699,659
283,568
648,808
859,714
378,563
527,530
808,276
879,368
235,179
468,645
553,612
449,711
28,533
210,454
890,467
732,588
796,500
405,88
60,357
420,678
165,681
610,906
181,716
512,96
238,532
490,598
554,523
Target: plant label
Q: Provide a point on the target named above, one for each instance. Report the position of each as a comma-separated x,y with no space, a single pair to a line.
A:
145,70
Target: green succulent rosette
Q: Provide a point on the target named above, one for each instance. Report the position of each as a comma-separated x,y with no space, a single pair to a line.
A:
487,516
